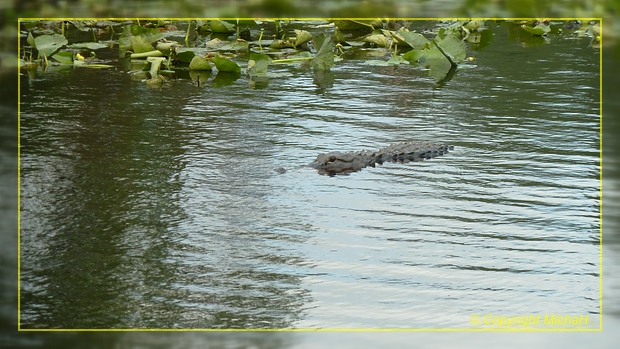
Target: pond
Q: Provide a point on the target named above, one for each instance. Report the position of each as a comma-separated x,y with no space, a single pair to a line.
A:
161,208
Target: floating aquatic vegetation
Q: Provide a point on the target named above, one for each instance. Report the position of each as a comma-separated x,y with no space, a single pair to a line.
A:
404,37
225,65
138,39
197,46
48,44
88,45
538,30
354,25
324,58
217,26
199,63
258,63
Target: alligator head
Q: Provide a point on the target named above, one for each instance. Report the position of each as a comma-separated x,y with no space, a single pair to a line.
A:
337,162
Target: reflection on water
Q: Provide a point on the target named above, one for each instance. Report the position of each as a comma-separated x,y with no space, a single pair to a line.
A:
161,208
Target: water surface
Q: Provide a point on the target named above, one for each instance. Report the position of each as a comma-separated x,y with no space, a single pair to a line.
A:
161,208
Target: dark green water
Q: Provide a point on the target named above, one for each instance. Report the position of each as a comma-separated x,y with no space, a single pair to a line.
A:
145,208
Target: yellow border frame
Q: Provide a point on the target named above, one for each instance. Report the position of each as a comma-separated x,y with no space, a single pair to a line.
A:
474,329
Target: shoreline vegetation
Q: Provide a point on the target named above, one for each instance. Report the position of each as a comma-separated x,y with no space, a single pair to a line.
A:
160,51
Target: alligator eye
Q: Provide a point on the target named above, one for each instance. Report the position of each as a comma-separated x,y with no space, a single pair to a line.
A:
332,158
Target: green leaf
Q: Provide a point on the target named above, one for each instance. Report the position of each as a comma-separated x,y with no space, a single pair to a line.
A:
324,58
48,44
456,25
452,47
64,57
218,26
225,79
30,39
415,55
396,60
405,37
83,64
377,39
279,44
246,23
338,37
538,30
225,65
199,63
258,63
302,37
214,43
438,64
347,25
185,56
149,35
88,45
139,44
474,25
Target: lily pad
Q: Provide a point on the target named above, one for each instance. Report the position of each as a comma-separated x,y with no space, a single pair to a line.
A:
185,56
240,45
139,44
438,64
224,79
280,44
82,64
405,37
338,37
414,55
350,25
199,76
225,65
538,30
324,58
48,44
376,38
88,45
474,25
258,64
452,48
30,40
396,60
392,61
221,26
302,36
199,63
149,35
64,57
214,43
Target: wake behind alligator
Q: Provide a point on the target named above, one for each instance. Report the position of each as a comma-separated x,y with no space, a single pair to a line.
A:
340,163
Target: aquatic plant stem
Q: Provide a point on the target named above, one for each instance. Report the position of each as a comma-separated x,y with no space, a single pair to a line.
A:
189,25
286,60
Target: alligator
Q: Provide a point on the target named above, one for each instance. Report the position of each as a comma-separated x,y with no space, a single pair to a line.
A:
343,163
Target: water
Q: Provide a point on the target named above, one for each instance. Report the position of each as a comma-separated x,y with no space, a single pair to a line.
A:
161,208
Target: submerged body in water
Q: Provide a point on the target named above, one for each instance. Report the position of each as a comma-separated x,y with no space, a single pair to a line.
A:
338,162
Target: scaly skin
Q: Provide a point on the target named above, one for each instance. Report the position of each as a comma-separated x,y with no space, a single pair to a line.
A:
336,162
